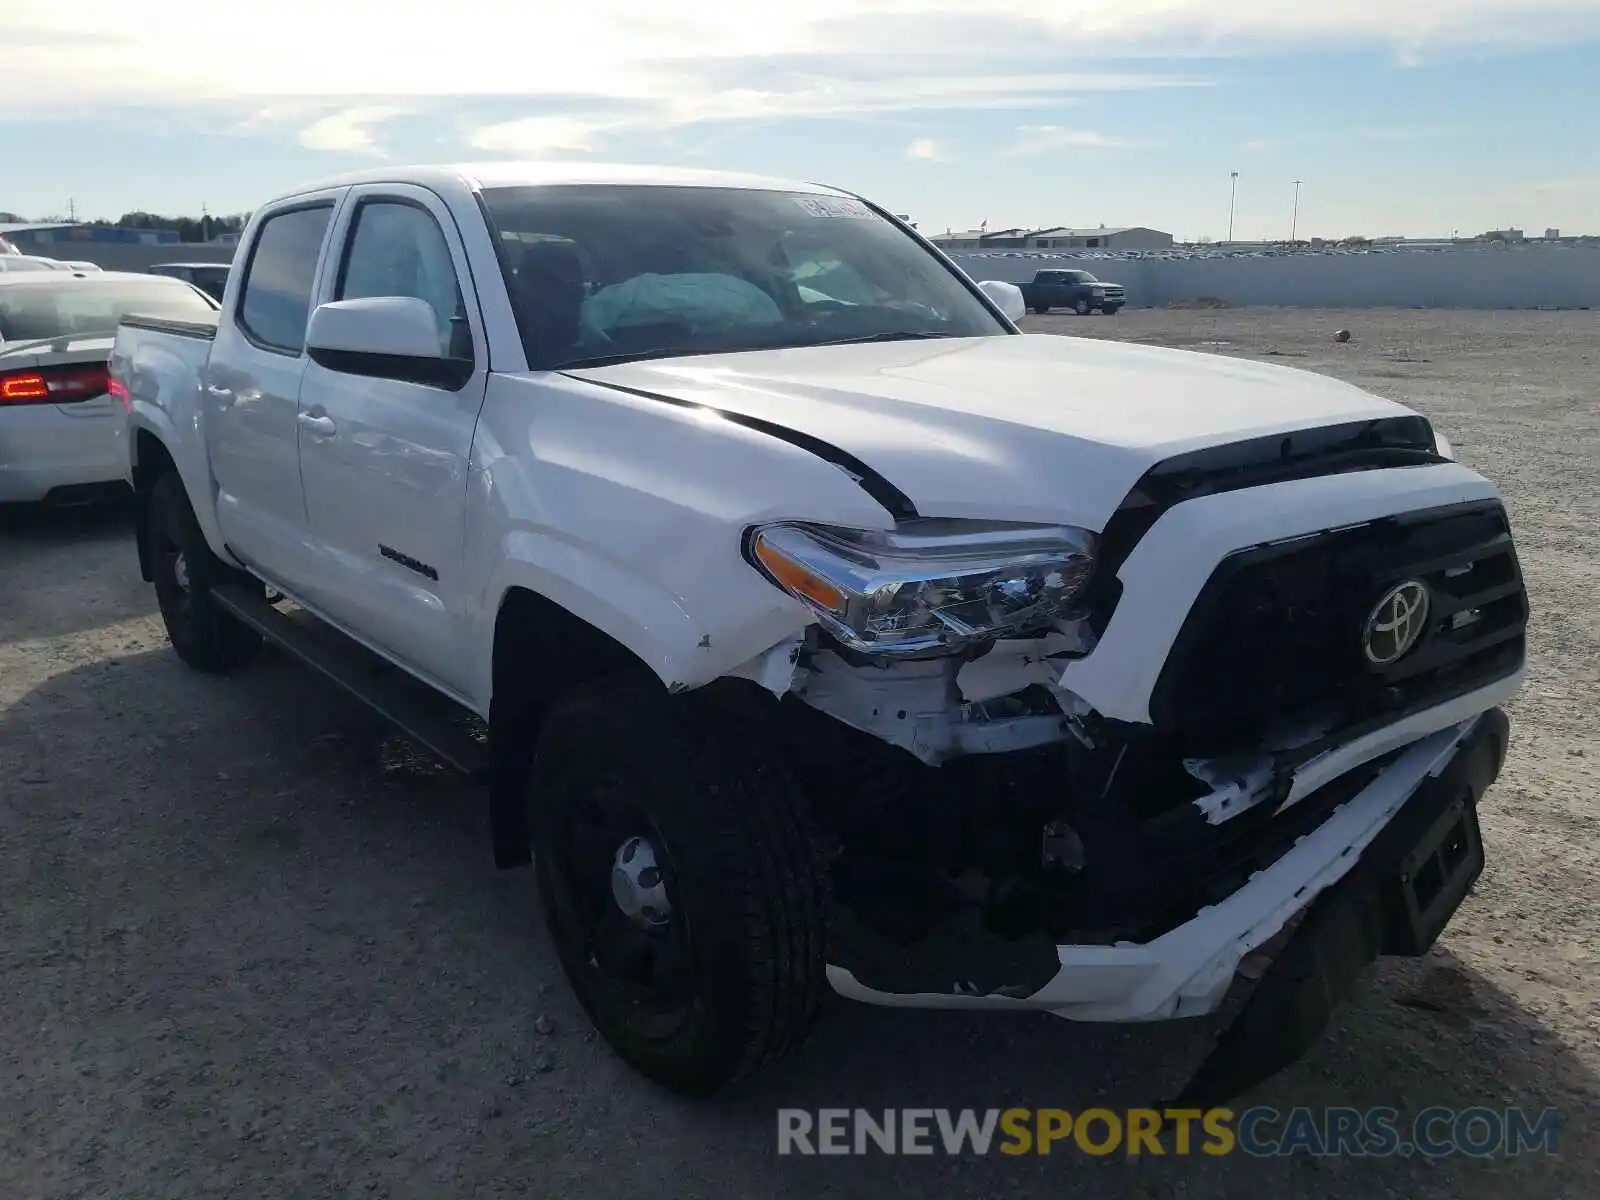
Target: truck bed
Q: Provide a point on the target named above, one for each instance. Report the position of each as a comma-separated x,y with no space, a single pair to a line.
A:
206,329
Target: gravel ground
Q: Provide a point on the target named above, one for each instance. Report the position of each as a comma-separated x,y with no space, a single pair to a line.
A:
250,945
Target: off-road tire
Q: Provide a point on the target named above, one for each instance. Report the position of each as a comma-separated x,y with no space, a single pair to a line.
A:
743,866
205,636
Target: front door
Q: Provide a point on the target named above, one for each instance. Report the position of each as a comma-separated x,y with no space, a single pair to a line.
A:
385,461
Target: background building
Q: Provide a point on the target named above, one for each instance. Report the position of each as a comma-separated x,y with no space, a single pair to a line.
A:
1061,237
1118,237
47,237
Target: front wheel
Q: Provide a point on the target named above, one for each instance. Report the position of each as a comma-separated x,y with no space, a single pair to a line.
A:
185,570
681,881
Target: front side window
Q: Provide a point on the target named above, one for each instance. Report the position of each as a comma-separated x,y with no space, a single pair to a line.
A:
601,273
397,249
72,306
280,277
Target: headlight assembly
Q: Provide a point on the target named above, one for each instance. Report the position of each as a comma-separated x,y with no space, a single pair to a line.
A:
1442,447
929,586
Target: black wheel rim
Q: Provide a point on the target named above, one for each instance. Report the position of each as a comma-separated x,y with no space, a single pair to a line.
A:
639,971
174,595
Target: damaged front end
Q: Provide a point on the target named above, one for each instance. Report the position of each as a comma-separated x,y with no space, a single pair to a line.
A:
984,820
980,813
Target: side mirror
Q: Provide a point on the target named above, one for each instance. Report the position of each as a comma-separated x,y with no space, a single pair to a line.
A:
1007,297
385,337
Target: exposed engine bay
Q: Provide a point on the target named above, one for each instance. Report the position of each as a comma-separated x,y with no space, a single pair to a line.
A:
982,813
1021,816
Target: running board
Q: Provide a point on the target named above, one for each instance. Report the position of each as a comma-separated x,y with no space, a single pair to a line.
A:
395,696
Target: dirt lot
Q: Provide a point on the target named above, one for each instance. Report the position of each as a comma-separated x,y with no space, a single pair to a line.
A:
249,945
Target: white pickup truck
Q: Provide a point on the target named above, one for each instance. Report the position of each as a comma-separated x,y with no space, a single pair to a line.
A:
828,630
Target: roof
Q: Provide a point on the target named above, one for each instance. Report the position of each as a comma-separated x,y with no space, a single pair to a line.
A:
513,174
1098,231
31,226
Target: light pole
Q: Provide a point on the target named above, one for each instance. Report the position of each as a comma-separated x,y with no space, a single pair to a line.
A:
1233,197
1294,224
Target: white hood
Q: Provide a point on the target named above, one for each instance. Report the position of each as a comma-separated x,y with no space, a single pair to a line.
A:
1032,427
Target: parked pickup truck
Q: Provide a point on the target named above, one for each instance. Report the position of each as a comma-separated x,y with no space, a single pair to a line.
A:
1078,290
828,632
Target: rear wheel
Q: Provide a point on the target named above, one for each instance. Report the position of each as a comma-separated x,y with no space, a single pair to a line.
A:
1081,308
681,881
185,570
1041,309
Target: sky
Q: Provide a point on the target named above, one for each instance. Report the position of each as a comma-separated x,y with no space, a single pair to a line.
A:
1419,117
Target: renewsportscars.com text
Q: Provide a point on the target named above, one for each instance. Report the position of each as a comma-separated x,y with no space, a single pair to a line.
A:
1260,1132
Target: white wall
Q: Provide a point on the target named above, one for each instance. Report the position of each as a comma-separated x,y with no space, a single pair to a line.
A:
1525,277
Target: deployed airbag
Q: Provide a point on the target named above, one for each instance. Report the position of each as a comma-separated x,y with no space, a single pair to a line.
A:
702,301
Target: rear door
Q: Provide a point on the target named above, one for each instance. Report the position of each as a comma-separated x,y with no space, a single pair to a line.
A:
385,461
250,390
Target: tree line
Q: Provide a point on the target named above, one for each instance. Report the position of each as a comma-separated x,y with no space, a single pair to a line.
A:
189,229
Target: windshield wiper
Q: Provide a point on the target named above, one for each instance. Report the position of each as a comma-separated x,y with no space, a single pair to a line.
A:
891,335
608,360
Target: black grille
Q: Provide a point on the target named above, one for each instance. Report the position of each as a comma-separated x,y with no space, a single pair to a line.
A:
1275,639
1382,444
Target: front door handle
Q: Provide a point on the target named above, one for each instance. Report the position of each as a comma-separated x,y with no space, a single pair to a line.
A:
321,426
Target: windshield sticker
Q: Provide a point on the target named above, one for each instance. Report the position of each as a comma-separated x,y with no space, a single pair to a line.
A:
833,206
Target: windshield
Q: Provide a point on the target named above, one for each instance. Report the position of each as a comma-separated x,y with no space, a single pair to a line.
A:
604,273
79,306
1082,277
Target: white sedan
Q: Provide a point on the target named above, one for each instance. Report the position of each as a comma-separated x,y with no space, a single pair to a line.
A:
59,427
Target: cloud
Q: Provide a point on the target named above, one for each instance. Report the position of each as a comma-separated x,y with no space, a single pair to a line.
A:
349,131
1257,145
584,73
1045,139
925,149
1582,186
537,137
808,95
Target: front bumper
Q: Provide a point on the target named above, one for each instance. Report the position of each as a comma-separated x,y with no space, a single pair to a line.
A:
1188,971
44,450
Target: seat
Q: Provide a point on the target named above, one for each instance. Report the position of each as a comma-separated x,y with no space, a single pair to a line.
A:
550,292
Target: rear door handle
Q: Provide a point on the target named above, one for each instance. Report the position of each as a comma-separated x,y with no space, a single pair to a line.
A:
321,426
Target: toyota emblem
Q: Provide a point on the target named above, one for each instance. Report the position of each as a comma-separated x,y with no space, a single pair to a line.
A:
1396,624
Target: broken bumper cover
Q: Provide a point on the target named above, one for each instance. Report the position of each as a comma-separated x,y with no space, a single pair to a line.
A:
1188,971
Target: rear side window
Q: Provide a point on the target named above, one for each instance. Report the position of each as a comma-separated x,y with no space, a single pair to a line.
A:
280,277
